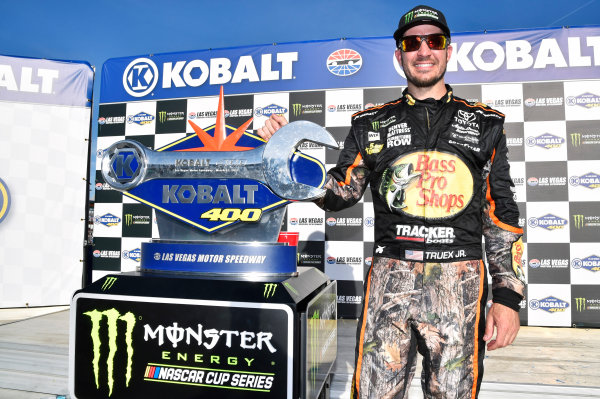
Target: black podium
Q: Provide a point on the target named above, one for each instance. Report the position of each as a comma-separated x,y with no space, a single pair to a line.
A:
150,335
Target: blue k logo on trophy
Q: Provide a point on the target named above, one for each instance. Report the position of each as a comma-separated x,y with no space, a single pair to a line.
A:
220,195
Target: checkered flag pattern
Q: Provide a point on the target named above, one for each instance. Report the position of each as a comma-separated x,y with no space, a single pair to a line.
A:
553,142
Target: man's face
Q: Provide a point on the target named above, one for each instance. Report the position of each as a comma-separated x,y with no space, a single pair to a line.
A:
424,67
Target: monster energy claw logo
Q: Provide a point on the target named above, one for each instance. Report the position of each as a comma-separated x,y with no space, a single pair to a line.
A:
269,290
314,325
375,125
578,221
108,283
575,139
128,219
408,17
112,316
580,302
297,109
162,116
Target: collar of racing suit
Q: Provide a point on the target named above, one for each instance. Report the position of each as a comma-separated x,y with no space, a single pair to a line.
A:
429,102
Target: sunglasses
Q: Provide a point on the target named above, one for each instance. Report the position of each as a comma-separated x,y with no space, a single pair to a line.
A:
436,41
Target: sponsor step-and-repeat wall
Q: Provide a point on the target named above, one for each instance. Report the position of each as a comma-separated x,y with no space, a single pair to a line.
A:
546,82
45,111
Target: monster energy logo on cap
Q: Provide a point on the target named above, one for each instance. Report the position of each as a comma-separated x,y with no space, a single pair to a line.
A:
578,221
112,316
580,303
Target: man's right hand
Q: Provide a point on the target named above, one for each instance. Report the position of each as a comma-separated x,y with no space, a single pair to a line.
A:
273,124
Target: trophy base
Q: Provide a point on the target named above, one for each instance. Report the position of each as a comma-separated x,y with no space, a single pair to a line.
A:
229,259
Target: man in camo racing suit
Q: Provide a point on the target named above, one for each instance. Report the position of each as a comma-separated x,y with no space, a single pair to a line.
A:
439,174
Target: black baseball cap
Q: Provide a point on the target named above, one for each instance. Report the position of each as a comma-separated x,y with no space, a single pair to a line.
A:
418,16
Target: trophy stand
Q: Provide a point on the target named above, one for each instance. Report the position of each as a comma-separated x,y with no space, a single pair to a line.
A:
216,310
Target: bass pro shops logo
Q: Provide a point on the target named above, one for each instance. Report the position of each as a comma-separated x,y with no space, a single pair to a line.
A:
432,183
105,347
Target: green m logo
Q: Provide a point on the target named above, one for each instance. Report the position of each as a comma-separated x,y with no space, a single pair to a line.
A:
375,125
108,283
578,221
313,326
162,116
408,17
269,290
575,139
580,302
112,316
297,109
128,219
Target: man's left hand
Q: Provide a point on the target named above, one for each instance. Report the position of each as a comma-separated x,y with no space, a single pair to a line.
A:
506,321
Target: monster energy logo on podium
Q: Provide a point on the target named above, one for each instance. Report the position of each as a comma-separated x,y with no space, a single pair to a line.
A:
112,316
580,302
269,290
313,326
578,221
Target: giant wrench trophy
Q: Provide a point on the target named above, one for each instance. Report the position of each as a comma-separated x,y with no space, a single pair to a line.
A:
268,163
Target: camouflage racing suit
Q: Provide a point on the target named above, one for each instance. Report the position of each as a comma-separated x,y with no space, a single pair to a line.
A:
439,175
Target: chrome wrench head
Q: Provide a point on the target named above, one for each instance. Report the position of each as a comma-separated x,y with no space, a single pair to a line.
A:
125,164
278,152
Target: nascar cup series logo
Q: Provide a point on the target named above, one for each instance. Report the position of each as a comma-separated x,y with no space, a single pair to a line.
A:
429,185
4,200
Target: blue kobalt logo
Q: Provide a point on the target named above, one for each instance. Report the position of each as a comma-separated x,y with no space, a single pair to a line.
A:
591,263
585,100
134,254
4,200
125,165
590,180
140,118
140,77
546,141
108,220
548,222
550,304
270,110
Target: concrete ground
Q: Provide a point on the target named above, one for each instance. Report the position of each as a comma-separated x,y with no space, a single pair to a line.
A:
543,362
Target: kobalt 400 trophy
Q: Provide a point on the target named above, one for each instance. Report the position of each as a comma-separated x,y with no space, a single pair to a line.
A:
218,306
229,190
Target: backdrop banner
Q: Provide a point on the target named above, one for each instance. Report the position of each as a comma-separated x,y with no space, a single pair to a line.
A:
45,109
545,81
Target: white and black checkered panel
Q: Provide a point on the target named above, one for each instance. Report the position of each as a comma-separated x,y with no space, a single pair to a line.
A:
42,160
553,141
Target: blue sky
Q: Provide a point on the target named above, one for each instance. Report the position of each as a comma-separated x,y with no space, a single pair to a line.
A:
95,31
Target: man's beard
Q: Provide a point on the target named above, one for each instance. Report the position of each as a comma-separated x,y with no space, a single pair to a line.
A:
421,83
